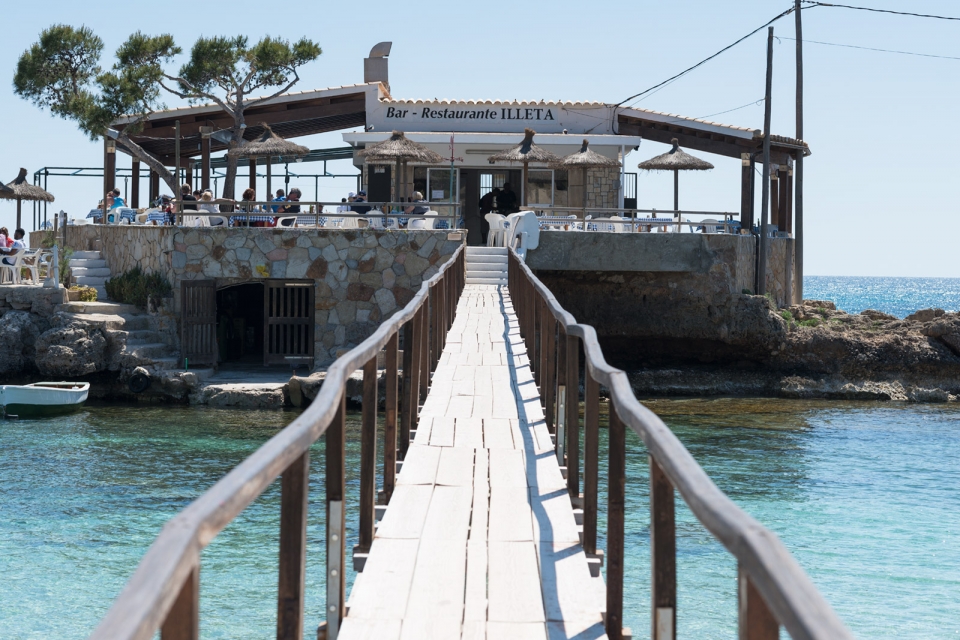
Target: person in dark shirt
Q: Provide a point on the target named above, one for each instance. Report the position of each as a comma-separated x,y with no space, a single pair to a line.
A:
359,208
188,198
507,200
488,201
293,196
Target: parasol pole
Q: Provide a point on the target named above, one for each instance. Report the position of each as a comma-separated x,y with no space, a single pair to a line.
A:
676,192
396,181
19,202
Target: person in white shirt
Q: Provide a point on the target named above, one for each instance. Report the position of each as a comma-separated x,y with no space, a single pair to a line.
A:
18,245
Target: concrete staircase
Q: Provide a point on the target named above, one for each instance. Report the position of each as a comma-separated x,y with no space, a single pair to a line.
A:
487,265
89,269
132,331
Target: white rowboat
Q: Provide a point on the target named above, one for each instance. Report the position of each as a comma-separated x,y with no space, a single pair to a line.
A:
43,398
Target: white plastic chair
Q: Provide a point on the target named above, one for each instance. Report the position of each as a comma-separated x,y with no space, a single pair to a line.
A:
497,229
36,262
11,270
350,223
711,226
524,232
286,221
217,221
419,223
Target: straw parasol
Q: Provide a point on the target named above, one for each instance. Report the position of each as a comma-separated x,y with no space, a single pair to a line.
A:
21,190
525,153
268,145
675,160
585,159
398,150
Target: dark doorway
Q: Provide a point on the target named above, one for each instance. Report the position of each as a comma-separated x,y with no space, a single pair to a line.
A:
470,199
379,183
240,323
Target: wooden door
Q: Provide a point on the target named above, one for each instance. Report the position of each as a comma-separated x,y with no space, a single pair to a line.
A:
289,318
198,326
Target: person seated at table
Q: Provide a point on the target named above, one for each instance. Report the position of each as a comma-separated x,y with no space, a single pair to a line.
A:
117,201
188,198
419,206
207,204
280,198
359,208
18,244
293,196
4,234
343,205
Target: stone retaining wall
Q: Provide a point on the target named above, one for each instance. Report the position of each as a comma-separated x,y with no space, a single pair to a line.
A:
362,277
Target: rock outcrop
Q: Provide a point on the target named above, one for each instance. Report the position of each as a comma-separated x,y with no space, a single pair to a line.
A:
71,349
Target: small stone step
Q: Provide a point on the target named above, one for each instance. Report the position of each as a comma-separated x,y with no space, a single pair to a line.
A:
151,351
486,266
87,264
86,255
495,281
100,308
486,251
143,337
91,281
102,293
485,259
495,275
135,322
84,272
166,363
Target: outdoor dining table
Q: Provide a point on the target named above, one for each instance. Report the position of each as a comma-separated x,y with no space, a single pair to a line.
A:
125,214
253,218
158,216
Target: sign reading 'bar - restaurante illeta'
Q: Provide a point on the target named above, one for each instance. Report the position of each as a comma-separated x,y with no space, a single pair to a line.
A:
492,117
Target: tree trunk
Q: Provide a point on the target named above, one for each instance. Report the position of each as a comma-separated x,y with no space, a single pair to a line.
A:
141,154
230,181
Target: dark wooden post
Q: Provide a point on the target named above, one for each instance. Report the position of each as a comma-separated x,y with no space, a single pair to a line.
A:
786,196
368,455
546,320
755,622
408,408
390,420
336,521
591,455
616,470
189,173
109,165
424,349
573,416
563,395
154,186
434,326
205,157
663,552
782,212
775,198
134,183
536,312
746,191
550,398
294,487
183,619
252,180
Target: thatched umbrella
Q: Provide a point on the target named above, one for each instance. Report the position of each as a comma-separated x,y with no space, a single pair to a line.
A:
268,145
21,190
525,153
585,159
398,150
675,160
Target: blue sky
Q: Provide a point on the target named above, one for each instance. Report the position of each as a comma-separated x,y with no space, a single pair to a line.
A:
880,187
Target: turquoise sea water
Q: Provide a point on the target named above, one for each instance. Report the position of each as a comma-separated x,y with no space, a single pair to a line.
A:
864,494
897,296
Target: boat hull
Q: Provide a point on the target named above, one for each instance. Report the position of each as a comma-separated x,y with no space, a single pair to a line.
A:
43,398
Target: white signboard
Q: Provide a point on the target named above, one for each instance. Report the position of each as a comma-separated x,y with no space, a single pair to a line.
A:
511,117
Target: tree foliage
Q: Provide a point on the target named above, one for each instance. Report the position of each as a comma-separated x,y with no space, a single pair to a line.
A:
62,72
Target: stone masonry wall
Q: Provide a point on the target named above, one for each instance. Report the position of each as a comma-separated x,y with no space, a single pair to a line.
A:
362,277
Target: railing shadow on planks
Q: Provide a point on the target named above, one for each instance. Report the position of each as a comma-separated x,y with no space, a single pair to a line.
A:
163,593
772,588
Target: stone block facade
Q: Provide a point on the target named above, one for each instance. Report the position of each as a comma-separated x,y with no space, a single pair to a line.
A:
361,277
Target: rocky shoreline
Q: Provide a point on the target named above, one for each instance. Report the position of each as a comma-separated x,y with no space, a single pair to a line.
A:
814,350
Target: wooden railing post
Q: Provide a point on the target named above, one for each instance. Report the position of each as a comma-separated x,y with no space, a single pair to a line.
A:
390,420
563,397
755,622
335,454
368,456
294,489
546,323
424,350
616,471
408,408
434,327
591,454
573,415
536,313
663,555
551,381
183,619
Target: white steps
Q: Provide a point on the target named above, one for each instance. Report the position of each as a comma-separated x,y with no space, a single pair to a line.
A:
486,265
89,269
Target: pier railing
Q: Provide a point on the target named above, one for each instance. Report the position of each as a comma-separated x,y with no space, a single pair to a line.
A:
163,593
772,588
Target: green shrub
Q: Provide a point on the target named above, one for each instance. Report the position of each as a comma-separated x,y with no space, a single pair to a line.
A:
135,286
812,322
746,292
87,294
786,315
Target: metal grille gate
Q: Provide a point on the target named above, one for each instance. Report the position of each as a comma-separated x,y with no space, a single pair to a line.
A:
289,317
198,327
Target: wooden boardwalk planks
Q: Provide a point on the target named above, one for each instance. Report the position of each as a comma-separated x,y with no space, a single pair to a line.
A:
479,540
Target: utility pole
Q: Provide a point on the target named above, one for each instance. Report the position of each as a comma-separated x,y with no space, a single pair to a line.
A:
765,199
798,168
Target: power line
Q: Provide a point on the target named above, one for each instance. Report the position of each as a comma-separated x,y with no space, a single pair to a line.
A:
705,60
852,46
720,113
898,13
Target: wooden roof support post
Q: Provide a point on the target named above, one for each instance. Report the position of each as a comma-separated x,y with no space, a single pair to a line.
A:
775,197
205,157
253,174
765,185
135,184
109,164
746,191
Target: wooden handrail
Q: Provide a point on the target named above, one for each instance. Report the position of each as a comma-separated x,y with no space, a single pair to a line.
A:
170,566
768,567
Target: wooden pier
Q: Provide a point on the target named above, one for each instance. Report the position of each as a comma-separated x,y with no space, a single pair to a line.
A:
479,536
